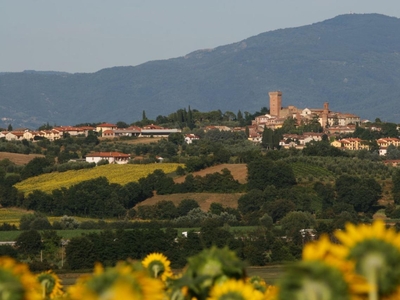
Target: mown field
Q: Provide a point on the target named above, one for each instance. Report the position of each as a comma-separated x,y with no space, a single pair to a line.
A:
203,199
19,159
121,174
238,171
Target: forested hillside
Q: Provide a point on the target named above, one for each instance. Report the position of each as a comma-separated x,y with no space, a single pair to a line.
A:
351,61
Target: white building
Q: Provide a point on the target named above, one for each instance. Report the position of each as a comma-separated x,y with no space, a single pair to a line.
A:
112,157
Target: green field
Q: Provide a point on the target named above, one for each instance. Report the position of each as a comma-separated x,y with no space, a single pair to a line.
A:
12,215
6,236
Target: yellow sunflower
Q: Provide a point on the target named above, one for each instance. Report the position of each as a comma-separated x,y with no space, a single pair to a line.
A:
158,265
322,274
124,281
51,285
271,293
16,281
235,290
375,250
258,283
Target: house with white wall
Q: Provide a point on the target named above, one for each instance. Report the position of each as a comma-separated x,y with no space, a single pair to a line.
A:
112,157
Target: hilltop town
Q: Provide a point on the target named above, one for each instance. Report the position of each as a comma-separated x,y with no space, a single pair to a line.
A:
290,124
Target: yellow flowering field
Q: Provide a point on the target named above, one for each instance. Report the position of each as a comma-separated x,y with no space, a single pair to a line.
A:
121,174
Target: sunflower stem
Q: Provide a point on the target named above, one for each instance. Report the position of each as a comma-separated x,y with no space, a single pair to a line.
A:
373,292
44,287
156,270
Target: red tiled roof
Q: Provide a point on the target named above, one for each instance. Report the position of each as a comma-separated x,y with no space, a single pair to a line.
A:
107,154
17,133
107,125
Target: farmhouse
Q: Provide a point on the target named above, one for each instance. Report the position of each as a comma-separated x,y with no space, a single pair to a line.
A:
112,157
105,126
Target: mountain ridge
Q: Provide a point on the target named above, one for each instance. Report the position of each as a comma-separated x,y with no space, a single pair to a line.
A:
351,61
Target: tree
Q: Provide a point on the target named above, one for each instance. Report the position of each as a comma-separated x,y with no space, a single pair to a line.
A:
359,192
264,172
8,250
144,118
396,186
9,128
251,202
326,193
185,206
25,221
29,243
165,210
277,209
267,138
35,167
294,221
393,152
121,124
266,221
176,138
216,208
240,118
80,253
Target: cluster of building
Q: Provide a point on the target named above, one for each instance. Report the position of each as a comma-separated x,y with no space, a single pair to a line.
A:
106,130
333,123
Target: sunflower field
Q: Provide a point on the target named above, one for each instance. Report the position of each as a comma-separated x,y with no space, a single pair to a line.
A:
121,174
363,263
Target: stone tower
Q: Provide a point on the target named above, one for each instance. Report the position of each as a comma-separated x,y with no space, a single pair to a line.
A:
324,116
275,103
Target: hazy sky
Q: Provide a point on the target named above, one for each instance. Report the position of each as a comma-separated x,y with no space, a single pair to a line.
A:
89,35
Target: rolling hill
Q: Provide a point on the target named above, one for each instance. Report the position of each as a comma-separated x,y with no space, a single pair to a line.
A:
351,61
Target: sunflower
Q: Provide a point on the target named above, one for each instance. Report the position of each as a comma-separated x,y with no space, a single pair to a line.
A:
16,281
51,285
258,283
158,265
208,268
271,293
376,253
321,275
124,281
235,290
